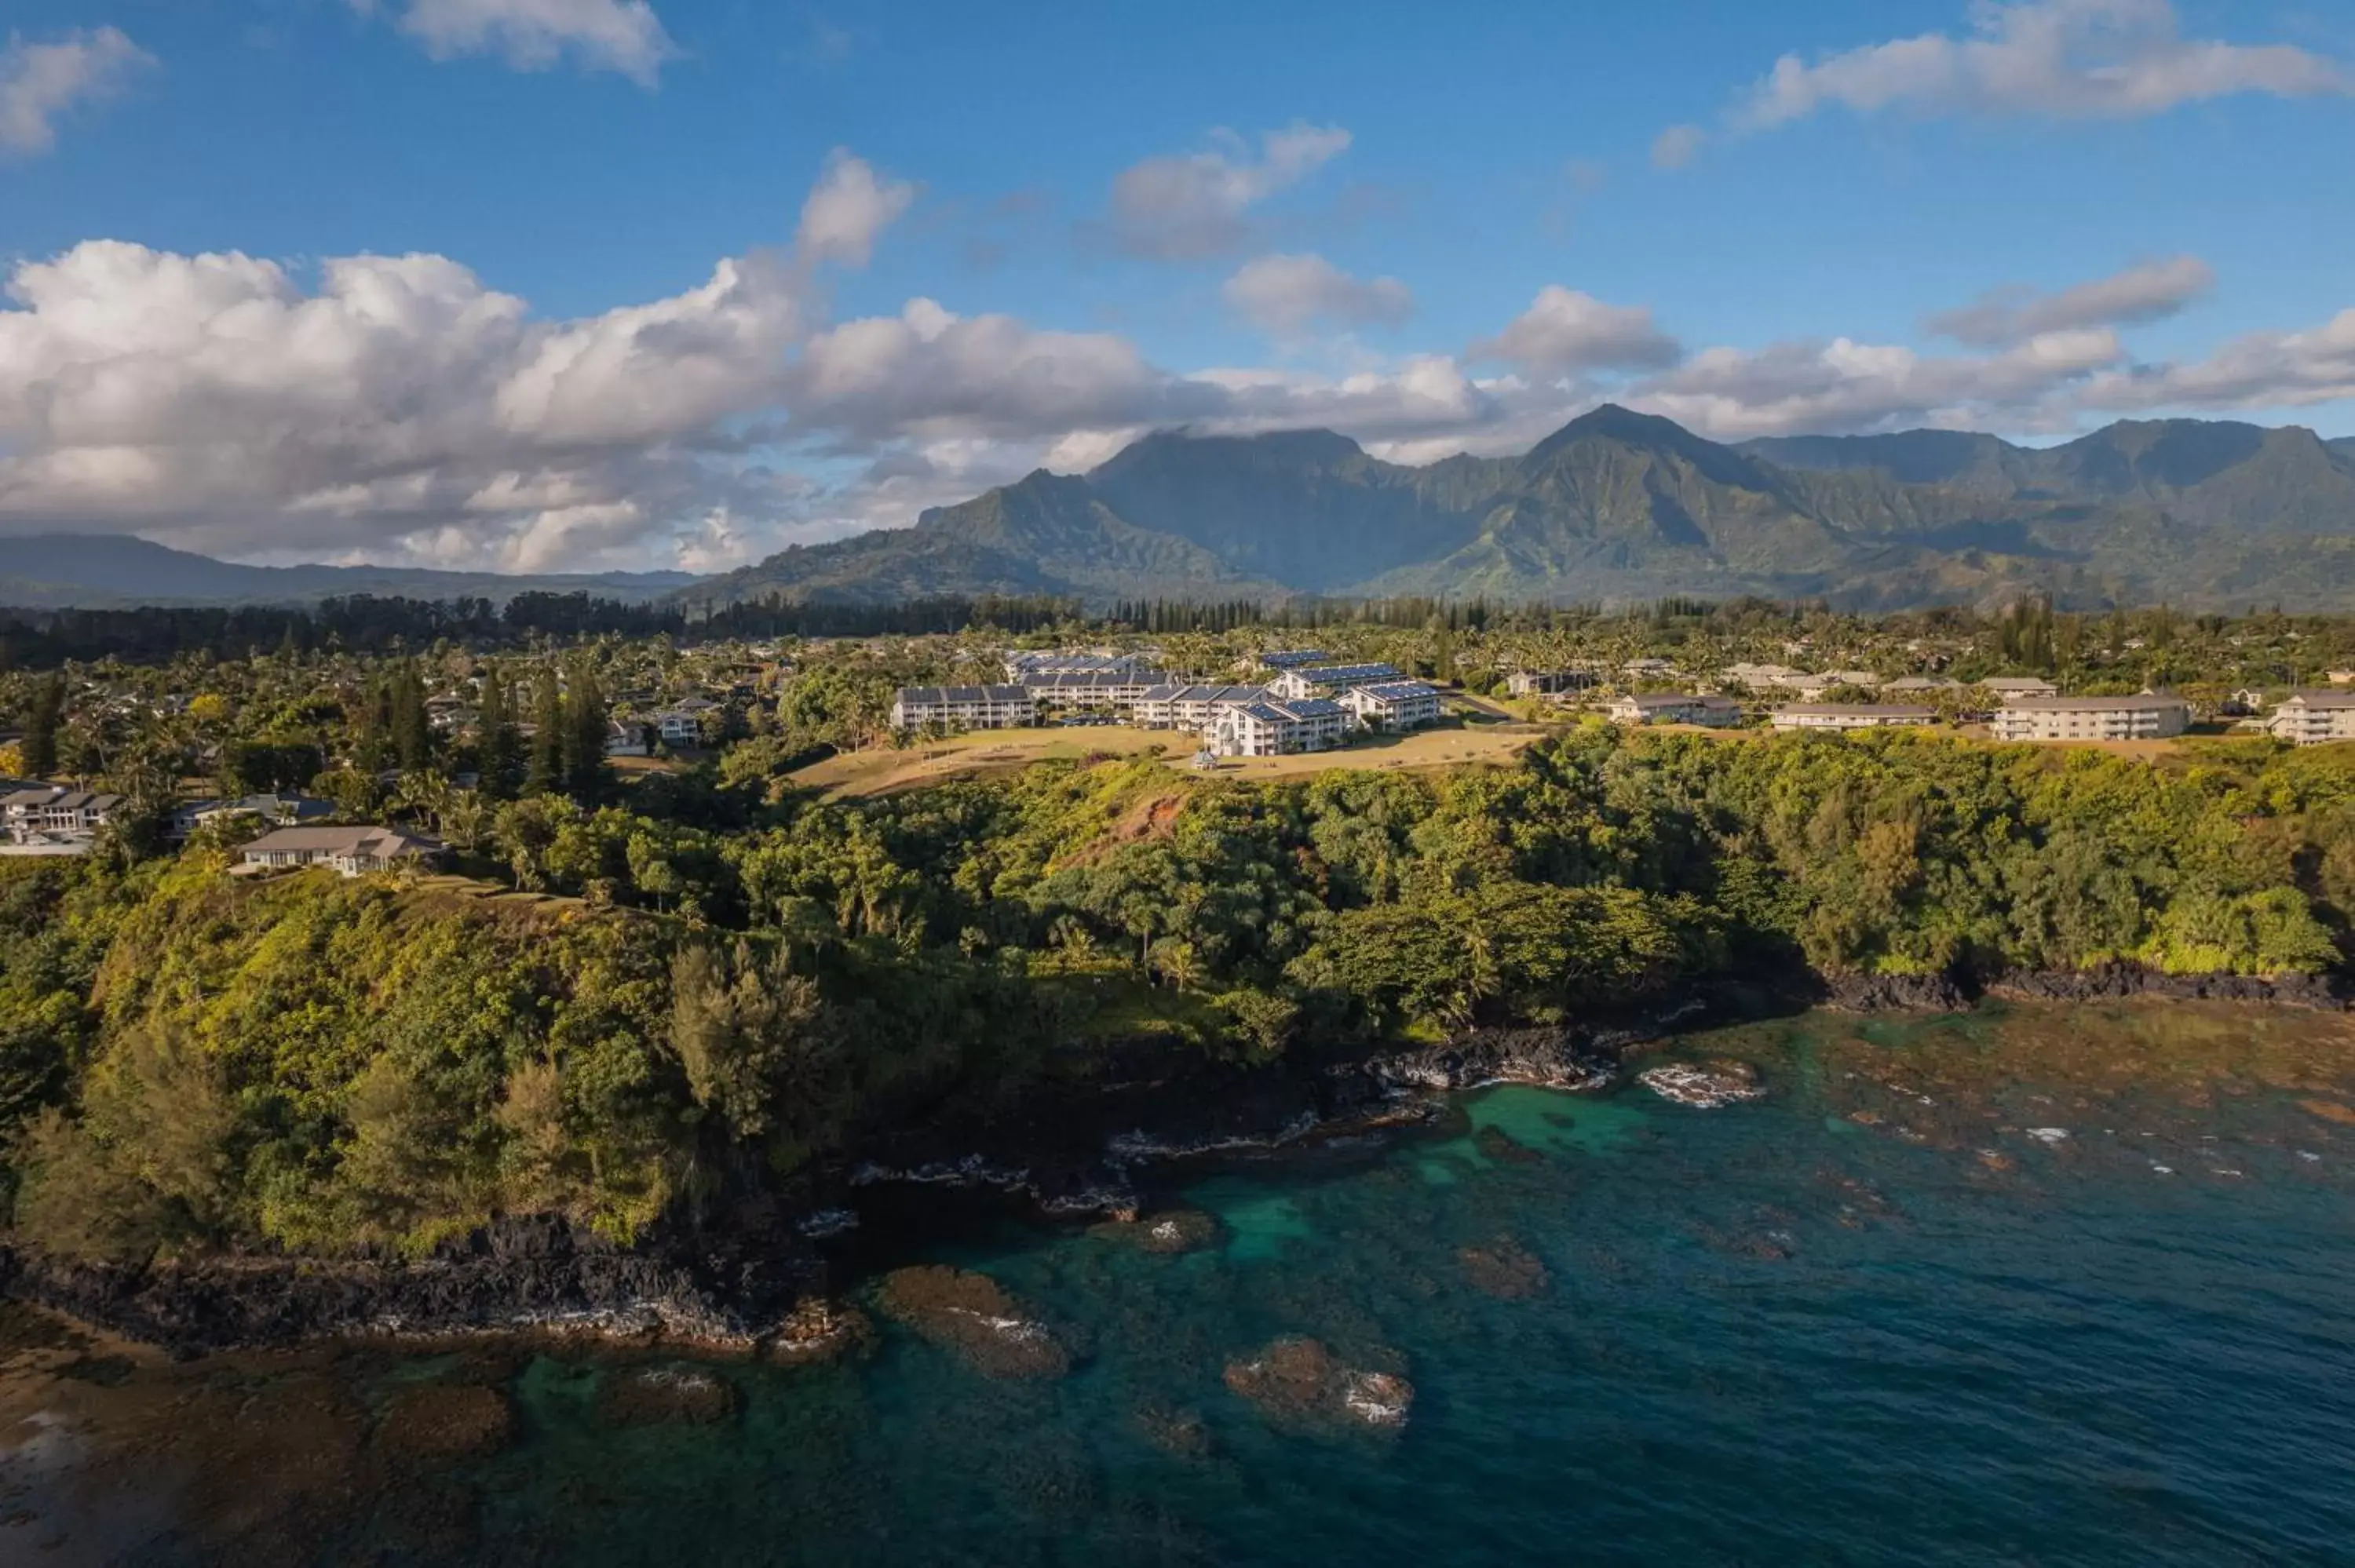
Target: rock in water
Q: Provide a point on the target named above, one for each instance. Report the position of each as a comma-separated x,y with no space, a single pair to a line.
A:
970,1314
1297,1382
1503,1147
438,1423
1504,1269
1170,1232
1180,1432
1704,1085
649,1396
818,1329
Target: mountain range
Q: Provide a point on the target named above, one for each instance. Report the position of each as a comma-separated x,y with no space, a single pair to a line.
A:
1619,505
98,570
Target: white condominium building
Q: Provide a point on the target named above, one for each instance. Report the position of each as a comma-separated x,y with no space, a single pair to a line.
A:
1189,707
2011,687
1393,705
2310,718
2153,715
964,707
1325,680
1275,727
1676,707
1849,715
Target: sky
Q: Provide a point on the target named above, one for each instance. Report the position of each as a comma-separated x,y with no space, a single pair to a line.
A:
587,284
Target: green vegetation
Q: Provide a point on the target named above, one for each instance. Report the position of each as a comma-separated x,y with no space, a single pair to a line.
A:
734,979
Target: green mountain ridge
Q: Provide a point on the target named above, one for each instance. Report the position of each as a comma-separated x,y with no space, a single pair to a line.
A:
1621,505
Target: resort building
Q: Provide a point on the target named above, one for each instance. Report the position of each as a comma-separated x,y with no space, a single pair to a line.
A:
1291,659
2311,718
1326,679
2011,687
1676,707
1849,715
2153,715
352,851
1548,682
1277,728
1099,691
1393,705
964,707
1189,707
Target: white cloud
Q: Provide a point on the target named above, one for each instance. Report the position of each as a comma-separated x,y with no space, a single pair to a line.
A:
847,209
1676,146
1565,332
621,35
2059,58
1195,205
2260,370
1286,295
40,81
2148,292
1795,389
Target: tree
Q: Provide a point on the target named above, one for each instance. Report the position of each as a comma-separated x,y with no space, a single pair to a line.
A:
41,719
547,773
500,747
585,722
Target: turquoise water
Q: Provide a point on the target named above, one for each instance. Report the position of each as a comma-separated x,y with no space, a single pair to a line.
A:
1873,1319
1772,1336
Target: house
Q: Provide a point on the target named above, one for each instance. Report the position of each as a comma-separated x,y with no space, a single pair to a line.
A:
1759,677
1849,715
49,812
1908,686
2153,715
1547,682
1648,668
1393,705
2312,717
2008,687
278,810
1291,659
1312,681
352,851
1097,690
1187,708
1276,727
626,739
1676,707
964,707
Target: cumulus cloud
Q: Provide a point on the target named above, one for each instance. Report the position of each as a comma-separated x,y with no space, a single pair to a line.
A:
2148,292
847,208
40,81
1676,146
1196,204
2260,370
621,35
2058,58
1794,388
1565,332
1286,295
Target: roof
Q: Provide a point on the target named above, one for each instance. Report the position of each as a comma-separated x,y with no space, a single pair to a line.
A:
1680,700
2014,682
1293,658
2335,701
2095,705
1091,679
1400,691
1920,684
920,694
1857,710
377,840
1204,694
1326,675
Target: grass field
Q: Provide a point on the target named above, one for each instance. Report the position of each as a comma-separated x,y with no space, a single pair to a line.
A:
880,772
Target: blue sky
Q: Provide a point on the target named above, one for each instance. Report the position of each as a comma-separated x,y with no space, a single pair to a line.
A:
656,259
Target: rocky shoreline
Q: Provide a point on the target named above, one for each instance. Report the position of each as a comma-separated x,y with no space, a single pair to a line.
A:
757,1277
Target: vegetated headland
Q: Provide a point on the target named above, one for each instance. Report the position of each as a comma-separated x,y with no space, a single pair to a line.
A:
584,996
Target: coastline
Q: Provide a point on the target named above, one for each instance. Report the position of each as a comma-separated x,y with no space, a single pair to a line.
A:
742,1279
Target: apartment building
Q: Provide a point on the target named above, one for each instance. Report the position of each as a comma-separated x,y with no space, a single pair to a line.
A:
1548,682
964,707
1330,680
1102,691
2011,687
2314,717
1189,707
1393,705
2153,715
1277,728
1849,715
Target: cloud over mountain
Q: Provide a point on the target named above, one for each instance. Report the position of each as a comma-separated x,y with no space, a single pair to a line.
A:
2146,292
1191,206
1287,294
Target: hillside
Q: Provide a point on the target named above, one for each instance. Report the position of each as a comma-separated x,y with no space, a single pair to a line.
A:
1620,505
95,570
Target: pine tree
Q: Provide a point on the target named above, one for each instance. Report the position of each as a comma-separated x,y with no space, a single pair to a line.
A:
412,730
40,745
585,731
501,748
548,733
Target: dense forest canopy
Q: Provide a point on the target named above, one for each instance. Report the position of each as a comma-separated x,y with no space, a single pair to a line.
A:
719,980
